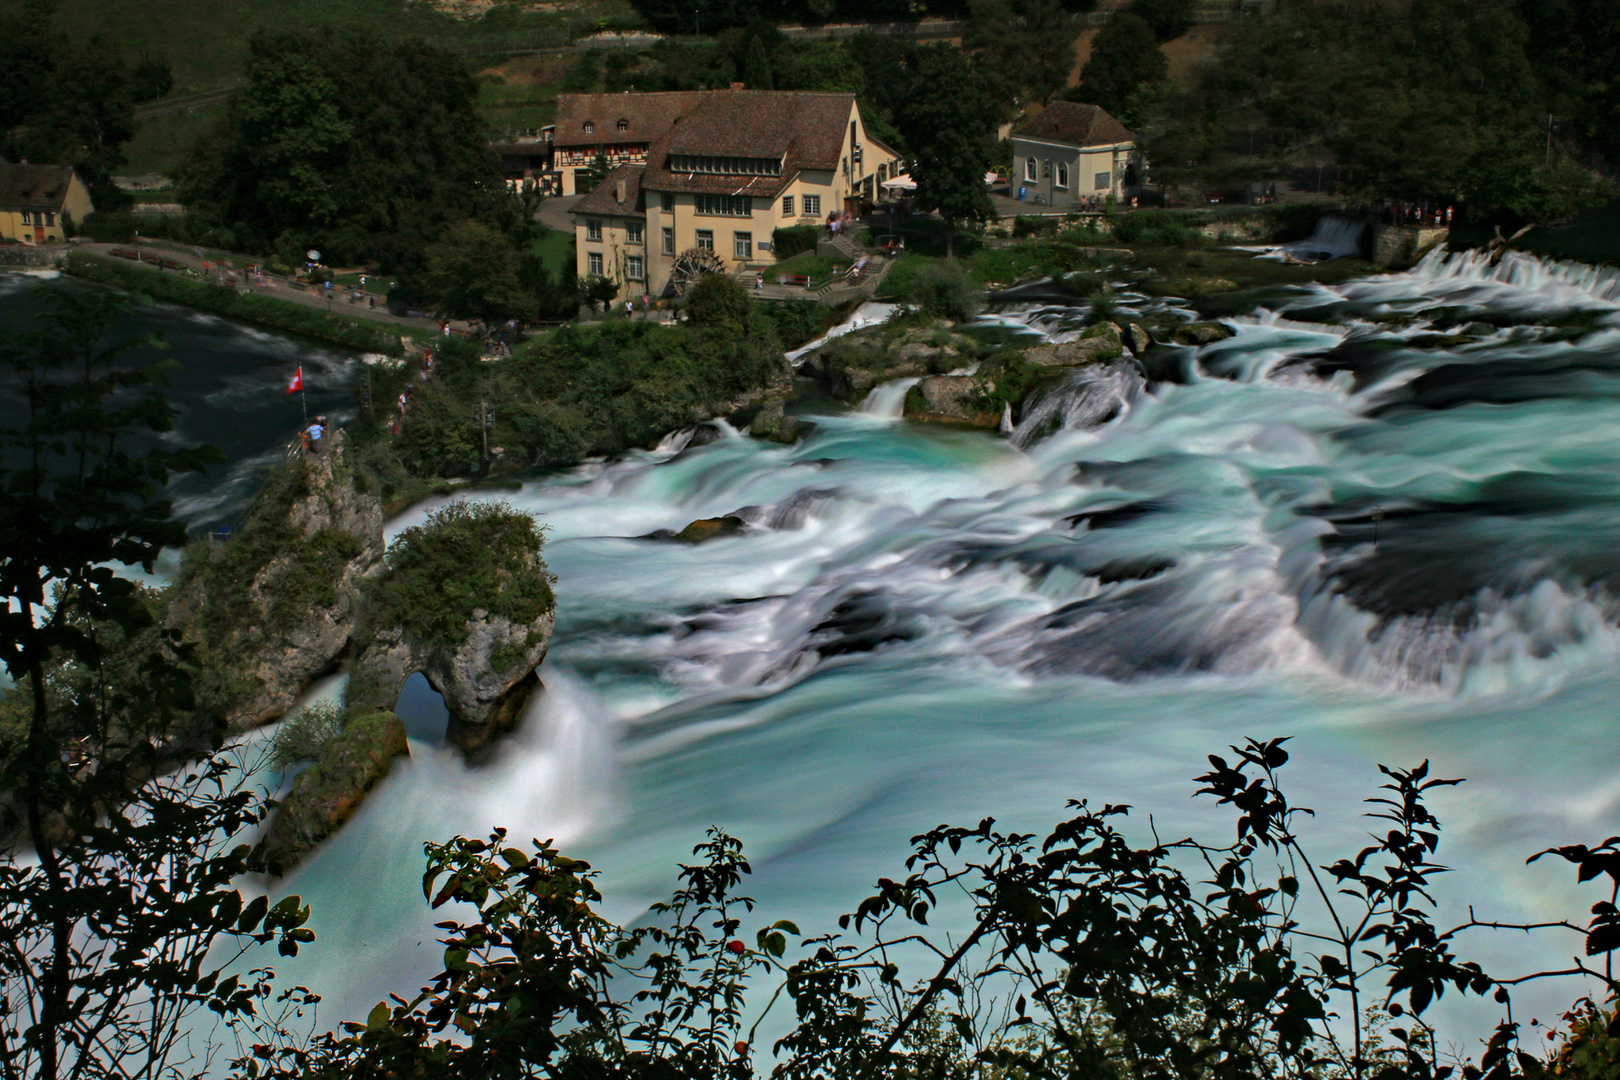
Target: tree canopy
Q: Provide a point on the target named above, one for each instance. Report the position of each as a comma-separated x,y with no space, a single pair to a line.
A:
947,122
1125,57
362,148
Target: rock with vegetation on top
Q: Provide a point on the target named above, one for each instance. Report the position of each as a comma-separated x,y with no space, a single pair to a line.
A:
953,399
702,529
328,793
274,607
1200,333
464,598
1097,345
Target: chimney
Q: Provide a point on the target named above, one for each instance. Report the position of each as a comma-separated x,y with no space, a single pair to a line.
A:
737,86
618,191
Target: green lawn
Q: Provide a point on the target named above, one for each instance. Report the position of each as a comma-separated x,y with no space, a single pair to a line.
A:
556,250
818,268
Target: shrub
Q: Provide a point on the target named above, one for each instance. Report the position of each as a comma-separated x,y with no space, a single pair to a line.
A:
1156,227
944,291
465,557
791,240
719,302
301,737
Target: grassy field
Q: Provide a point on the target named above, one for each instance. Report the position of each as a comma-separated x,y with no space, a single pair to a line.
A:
162,143
205,41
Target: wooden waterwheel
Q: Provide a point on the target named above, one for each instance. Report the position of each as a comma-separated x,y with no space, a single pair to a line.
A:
691,265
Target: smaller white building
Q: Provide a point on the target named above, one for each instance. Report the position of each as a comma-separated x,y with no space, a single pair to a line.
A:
1070,155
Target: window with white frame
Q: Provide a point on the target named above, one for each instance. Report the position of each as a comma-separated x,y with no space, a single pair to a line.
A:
669,241
632,232
593,263
787,206
812,205
742,245
27,217
1062,179
593,229
589,127
724,205
633,268
1032,170
705,239
1104,180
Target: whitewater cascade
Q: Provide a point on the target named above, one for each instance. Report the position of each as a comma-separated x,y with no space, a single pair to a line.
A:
1381,527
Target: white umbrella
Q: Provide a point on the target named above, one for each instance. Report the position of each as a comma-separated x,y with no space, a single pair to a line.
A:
902,182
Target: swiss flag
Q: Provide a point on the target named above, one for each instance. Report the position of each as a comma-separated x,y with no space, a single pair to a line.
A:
297,383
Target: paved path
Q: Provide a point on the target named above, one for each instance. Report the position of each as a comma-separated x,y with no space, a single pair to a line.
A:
554,213
337,305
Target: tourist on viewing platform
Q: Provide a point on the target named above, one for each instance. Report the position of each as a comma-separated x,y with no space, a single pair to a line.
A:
313,433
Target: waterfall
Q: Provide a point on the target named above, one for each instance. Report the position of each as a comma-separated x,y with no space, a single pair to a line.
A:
1334,236
1086,397
887,401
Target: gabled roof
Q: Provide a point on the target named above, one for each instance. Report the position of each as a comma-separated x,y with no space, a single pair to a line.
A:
1075,124
808,127
646,116
34,187
603,199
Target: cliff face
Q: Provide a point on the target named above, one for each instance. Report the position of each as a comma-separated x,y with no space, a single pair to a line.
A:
274,607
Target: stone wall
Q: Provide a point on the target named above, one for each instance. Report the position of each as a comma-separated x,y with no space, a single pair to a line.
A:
1402,245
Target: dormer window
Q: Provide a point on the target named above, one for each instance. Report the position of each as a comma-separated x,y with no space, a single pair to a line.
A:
589,127
623,125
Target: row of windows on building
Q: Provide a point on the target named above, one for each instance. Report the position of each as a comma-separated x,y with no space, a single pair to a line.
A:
1059,172
39,217
635,266
718,205
725,166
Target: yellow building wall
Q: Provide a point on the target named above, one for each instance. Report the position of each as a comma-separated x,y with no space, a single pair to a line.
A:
77,203
831,186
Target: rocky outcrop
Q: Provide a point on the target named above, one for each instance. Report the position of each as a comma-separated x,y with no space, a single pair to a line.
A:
953,399
1136,338
852,365
484,681
700,530
327,794
1099,344
465,600
1200,333
274,607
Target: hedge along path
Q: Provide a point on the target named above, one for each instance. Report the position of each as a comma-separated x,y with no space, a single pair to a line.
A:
260,310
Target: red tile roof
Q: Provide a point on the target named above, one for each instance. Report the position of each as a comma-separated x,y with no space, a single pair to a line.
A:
34,187
603,199
1076,124
647,116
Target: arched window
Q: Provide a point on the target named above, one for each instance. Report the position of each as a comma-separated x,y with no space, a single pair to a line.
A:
1062,175
589,127
1032,170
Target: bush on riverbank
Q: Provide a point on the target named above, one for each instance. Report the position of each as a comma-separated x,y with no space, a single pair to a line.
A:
223,300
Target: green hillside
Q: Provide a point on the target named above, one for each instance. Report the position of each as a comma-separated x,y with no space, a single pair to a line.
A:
204,40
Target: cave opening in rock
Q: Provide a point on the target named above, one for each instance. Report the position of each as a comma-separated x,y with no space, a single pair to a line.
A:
424,712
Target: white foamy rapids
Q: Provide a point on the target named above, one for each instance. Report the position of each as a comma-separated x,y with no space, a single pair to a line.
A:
870,313
1334,237
1085,398
922,624
1516,282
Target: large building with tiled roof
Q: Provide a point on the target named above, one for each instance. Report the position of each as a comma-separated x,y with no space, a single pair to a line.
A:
731,167
37,202
620,127
1070,153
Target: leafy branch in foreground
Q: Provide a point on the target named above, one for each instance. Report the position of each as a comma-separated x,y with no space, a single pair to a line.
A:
1076,954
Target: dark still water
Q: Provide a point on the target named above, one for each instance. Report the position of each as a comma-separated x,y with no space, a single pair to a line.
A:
230,389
